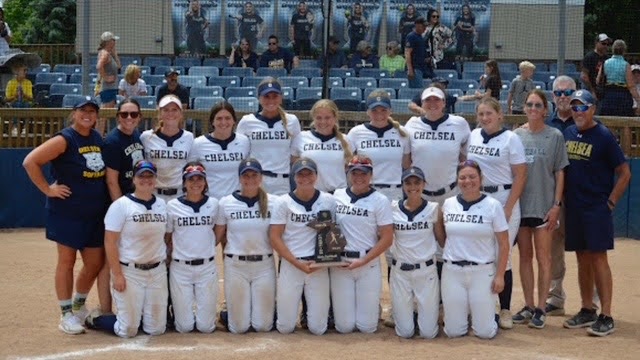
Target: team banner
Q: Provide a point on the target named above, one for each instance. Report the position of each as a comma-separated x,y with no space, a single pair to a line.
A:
356,21
253,20
196,25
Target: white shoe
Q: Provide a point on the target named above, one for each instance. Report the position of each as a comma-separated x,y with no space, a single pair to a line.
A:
82,313
70,324
506,319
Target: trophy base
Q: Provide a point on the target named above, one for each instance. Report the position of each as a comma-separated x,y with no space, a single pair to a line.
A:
329,264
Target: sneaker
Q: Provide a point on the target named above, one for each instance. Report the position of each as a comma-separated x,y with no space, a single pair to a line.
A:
584,318
523,315
553,310
506,320
70,324
538,319
602,327
88,321
82,313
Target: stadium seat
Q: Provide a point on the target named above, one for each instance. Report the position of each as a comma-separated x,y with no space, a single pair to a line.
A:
216,62
541,66
144,70
240,92
540,85
333,82
544,76
408,93
224,81
294,81
65,89
390,91
154,80
237,71
187,62
361,82
288,94
192,80
207,71
51,78
465,85
465,107
470,66
504,107
353,93
400,106
504,94
401,74
474,75
206,102
306,72
308,63
509,75
375,73
266,71
244,104
455,92
568,67
305,104
126,60
309,93
206,91
155,61
342,73
446,74
68,68
161,69
69,101
146,102
40,69
507,67
252,81
394,83
506,84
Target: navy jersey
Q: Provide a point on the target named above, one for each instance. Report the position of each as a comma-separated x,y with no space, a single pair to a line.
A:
249,25
418,45
302,26
120,153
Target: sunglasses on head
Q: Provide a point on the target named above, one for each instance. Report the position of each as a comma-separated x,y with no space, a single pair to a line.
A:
126,114
567,92
471,163
531,105
192,168
580,108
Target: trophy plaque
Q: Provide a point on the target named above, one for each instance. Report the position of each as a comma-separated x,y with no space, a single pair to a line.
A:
330,241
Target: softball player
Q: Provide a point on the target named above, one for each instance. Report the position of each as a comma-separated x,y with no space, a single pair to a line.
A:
326,145
475,256
271,133
193,278
295,243
135,225
414,276
221,151
365,218
168,147
500,154
249,267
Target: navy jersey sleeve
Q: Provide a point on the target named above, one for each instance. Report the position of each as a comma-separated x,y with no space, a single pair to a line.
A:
111,153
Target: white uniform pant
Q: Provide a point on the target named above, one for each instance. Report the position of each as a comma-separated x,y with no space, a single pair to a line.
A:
276,185
440,200
355,296
250,292
291,282
464,289
194,285
145,296
514,221
392,193
422,287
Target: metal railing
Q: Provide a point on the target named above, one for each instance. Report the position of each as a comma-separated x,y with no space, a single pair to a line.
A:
52,54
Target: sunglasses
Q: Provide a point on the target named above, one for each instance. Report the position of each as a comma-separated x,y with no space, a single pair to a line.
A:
567,92
193,168
389,47
273,43
435,16
471,163
126,114
580,108
531,105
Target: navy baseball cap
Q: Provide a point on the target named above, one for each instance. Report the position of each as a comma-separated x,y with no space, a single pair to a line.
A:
413,171
269,87
304,163
144,166
87,100
584,96
249,165
379,100
360,163
170,72
194,170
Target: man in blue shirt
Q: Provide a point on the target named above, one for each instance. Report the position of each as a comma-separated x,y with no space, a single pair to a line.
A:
415,53
276,57
337,58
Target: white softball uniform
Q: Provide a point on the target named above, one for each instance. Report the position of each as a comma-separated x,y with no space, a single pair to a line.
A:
414,277
193,278
220,159
271,146
355,294
142,251
495,154
169,154
469,268
249,267
385,147
295,214
328,153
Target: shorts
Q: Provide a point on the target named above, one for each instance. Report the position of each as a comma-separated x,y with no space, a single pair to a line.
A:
589,229
532,222
107,96
76,233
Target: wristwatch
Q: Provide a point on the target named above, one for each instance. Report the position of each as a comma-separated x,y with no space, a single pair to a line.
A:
558,203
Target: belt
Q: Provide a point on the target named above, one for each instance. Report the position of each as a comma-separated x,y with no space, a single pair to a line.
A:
167,191
387,186
307,258
620,86
495,188
194,261
409,267
142,266
441,191
353,254
466,263
274,175
250,257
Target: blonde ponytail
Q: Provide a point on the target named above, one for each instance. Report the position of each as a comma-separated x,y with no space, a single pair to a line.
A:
285,121
396,126
263,199
345,144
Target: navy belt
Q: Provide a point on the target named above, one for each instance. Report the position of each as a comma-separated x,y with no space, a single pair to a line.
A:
409,267
353,254
142,266
274,175
168,192
387,186
307,258
194,261
442,191
495,188
250,257
466,263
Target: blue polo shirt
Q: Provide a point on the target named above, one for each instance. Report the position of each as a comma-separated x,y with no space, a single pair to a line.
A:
418,44
554,121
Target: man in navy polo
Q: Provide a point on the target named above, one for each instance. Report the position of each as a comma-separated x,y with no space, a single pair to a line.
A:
415,53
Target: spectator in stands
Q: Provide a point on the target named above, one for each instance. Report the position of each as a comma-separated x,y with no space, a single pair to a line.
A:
19,94
415,54
132,84
592,63
108,66
337,58
415,106
244,56
465,28
619,85
357,26
301,30
364,57
250,25
392,61
438,37
196,24
635,71
5,34
520,87
276,57
174,88
407,22
490,81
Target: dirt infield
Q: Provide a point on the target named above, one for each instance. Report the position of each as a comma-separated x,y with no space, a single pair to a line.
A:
29,319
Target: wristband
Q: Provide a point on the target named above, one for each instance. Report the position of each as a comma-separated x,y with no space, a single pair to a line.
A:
611,203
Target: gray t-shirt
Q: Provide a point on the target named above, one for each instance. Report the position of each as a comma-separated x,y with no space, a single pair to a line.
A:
545,154
519,90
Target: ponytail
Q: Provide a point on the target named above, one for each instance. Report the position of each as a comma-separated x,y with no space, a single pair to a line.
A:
285,121
396,125
263,199
345,144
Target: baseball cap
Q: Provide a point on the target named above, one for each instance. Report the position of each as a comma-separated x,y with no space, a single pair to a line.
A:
108,35
360,163
87,100
378,100
440,80
334,39
302,164
635,68
432,91
269,87
249,165
604,37
168,99
413,171
170,72
584,96
194,170
144,166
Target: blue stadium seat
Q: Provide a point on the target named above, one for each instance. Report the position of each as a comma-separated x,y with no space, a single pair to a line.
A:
240,92
353,93
455,92
207,71
224,81
126,60
305,104
509,75
308,63
506,84
237,71
294,81
206,91
390,91
192,80
51,78
309,93
40,69
503,106
288,93
361,82
244,104
154,61
541,66
266,71
342,73
400,106
465,85
216,62
146,102
400,74
77,79
144,70
69,101
154,80
252,81
395,83
446,74
477,66
465,107
408,93
504,94
160,69
333,82
206,102
568,67
507,67
544,76
306,72
374,73
474,75
540,85
65,89
68,69
187,62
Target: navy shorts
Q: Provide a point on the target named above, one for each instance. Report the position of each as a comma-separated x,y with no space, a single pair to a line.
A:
589,229
531,222
107,96
76,233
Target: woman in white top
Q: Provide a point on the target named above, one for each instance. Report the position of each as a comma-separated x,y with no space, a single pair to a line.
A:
168,147
221,151
132,84
249,267
501,156
364,216
271,133
475,256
